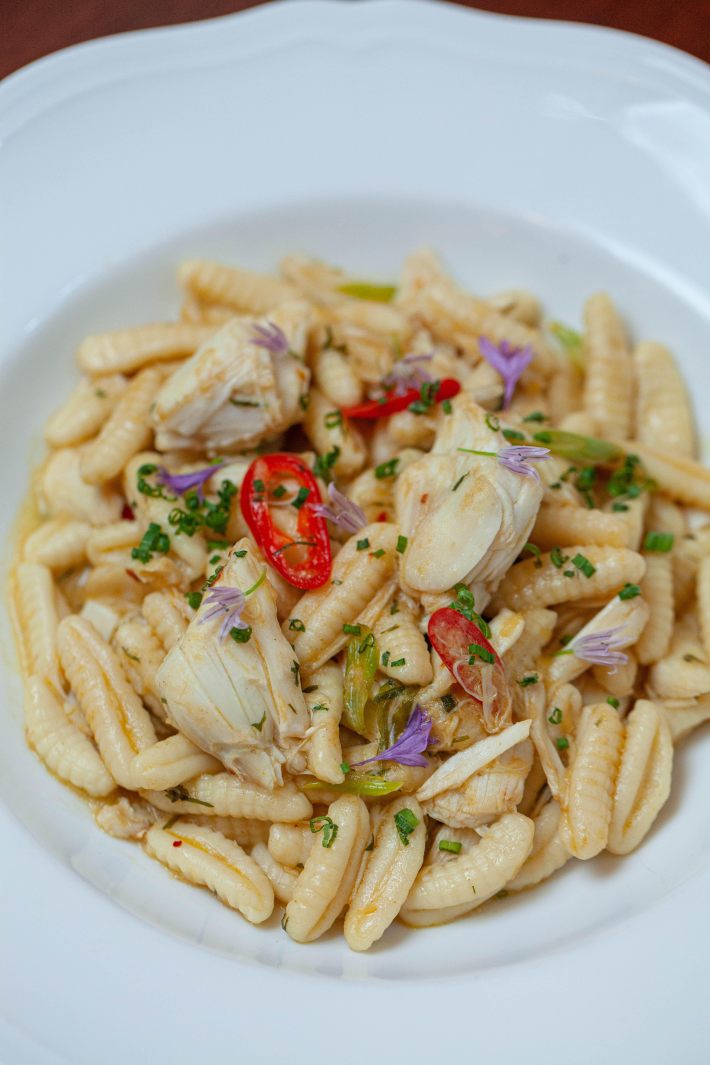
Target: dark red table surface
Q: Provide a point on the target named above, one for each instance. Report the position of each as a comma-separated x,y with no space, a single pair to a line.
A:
33,28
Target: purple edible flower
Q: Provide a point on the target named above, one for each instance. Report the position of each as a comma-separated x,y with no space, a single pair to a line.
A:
508,361
227,601
271,337
344,512
409,748
600,648
406,374
180,483
515,458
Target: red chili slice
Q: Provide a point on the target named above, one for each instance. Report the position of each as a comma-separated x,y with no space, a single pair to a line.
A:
266,473
390,403
452,635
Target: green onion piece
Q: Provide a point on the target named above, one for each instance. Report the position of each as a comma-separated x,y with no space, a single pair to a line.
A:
378,553
557,558
405,822
398,662
658,541
492,423
571,341
556,716
352,630
386,469
279,492
357,783
476,651
362,545
365,290
561,743
578,448
460,481
629,591
345,767
536,416
531,678
259,485
402,542
301,497
324,464
450,845
583,564
303,401
619,507
327,826
241,635
194,599
258,725
361,661
296,625
512,435
446,406
333,419
612,701
534,550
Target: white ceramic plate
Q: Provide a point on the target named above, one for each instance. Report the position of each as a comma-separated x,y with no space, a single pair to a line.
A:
537,154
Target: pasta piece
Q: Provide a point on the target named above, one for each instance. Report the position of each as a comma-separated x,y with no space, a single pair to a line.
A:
400,641
608,395
704,602
59,544
291,844
644,781
621,681
282,880
447,890
589,788
35,609
683,479
64,492
206,857
325,705
518,304
323,888
335,377
86,410
141,657
663,410
120,724
629,616
684,715
493,790
128,350
563,526
522,656
457,769
325,610
64,749
506,629
229,796
171,762
126,432
242,830
389,871
242,290
318,281
408,429
168,615
657,589
367,316
684,672
373,494
529,585
548,853
328,430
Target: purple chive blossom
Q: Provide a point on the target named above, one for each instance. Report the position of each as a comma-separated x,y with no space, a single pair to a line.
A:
409,748
508,361
600,648
271,337
515,458
228,602
344,512
180,483
407,373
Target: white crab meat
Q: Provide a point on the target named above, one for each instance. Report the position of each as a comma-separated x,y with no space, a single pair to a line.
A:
466,516
239,701
233,391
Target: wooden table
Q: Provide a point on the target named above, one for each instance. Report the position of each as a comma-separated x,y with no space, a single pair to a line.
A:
32,28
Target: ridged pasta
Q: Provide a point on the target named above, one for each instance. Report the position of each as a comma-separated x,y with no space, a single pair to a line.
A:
589,789
399,640
327,432
230,797
644,780
126,432
59,544
244,290
529,585
548,853
85,411
609,382
128,350
663,409
325,705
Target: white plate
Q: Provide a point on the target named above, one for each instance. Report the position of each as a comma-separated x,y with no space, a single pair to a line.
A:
538,154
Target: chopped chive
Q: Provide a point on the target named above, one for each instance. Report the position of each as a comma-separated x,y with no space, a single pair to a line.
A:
405,823
362,545
327,826
386,469
345,767
556,716
492,423
658,541
241,635
629,591
557,558
333,419
460,481
194,599
258,725
446,406
536,552
561,743
536,416
618,507
451,845
259,485
352,630
584,565
301,497
612,701
303,400
512,435
476,651
279,492
386,655
402,542
378,553
296,625
531,678
398,662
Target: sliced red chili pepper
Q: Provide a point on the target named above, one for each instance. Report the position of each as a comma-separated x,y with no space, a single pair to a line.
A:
391,403
458,640
267,473
127,512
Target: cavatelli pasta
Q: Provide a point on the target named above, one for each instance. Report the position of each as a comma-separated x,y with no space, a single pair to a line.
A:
475,661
